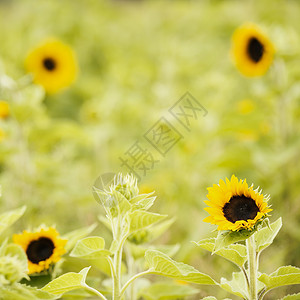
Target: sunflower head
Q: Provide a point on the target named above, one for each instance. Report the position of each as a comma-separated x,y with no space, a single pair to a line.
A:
53,65
42,248
252,51
4,109
233,205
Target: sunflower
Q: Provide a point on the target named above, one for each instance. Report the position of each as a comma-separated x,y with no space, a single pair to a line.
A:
4,109
2,135
42,248
53,65
233,205
252,51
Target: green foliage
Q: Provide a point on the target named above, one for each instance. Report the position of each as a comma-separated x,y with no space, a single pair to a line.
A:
160,264
67,282
10,217
90,248
266,235
227,237
163,291
282,276
236,253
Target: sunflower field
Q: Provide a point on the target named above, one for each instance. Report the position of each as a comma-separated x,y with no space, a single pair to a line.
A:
149,150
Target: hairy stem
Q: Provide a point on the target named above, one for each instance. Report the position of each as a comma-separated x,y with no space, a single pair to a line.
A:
95,292
252,267
134,278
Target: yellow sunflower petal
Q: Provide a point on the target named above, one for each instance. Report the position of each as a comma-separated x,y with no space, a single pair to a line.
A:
49,239
224,205
251,50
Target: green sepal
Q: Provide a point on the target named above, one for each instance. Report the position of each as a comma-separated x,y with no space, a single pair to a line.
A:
228,237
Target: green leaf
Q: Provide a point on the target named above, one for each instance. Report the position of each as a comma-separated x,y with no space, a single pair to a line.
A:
19,291
141,219
265,236
138,251
143,201
236,253
214,298
161,264
90,248
10,217
291,297
236,286
18,252
282,276
228,237
67,282
163,291
76,235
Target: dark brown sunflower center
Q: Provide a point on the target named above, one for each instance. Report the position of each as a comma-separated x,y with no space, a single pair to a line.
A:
255,49
240,208
40,250
49,63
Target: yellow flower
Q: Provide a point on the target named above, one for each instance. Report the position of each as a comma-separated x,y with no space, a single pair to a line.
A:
234,206
245,106
53,65
2,135
251,50
42,248
4,109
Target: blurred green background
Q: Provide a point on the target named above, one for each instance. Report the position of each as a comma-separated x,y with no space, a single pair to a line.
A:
137,58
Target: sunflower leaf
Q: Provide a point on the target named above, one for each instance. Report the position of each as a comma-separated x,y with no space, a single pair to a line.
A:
76,235
265,236
19,291
67,282
143,201
167,290
236,286
90,248
213,298
161,264
235,253
141,219
286,275
228,237
10,217
291,297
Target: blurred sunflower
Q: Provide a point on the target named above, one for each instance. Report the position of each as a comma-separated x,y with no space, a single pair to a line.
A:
233,205
42,248
2,135
4,109
252,51
53,65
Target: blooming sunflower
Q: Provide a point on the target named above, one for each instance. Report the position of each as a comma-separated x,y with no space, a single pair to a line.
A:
233,205
4,109
252,51
42,248
53,65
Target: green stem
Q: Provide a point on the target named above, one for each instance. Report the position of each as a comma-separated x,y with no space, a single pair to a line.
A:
118,264
252,267
95,292
133,279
